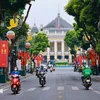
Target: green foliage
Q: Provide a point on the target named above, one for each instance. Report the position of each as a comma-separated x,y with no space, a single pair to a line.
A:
71,39
86,14
14,5
61,63
39,43
98,47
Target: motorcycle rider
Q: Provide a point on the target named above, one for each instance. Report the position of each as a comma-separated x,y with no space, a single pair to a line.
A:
87,72
16,72
42,69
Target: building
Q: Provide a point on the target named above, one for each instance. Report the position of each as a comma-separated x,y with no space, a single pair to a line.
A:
56,31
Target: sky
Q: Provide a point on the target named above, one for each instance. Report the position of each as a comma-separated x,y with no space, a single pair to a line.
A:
44,11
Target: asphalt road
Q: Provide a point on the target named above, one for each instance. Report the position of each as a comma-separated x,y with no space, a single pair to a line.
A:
63,84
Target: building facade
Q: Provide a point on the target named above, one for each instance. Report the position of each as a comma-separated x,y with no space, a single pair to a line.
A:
56,31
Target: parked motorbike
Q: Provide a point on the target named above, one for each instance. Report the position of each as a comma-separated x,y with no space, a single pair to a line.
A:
42,78
87,82
15,84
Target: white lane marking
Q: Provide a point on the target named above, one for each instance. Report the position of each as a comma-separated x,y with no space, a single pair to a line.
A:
60,88
96,92
91,88
75,88
31,89
46,88
5,90
1,91
6,86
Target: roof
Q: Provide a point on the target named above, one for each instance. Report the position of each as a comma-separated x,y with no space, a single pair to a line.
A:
58,23
35,29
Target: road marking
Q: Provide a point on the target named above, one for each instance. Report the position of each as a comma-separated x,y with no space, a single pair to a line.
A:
60,88
75,88
91,88
60,92
96,92
60,97
31,89
46,88
1,91
5,90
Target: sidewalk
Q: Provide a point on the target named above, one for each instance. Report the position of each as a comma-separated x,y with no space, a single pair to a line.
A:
8,83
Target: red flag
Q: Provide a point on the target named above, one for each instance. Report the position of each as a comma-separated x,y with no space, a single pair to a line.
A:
80,60
59,22
4,50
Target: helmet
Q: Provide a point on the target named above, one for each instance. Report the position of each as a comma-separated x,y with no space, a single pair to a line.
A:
86,66
42,66
16,69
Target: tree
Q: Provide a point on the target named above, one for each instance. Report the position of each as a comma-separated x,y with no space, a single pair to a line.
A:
39,43
86,13
72,40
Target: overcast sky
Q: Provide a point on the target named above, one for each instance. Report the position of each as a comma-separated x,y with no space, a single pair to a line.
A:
44,11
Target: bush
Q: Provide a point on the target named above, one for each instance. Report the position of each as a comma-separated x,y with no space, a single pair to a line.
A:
61,63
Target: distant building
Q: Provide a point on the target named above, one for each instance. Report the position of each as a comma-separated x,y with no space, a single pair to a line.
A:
56,31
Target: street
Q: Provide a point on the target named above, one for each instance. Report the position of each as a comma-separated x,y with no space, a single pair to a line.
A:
63,84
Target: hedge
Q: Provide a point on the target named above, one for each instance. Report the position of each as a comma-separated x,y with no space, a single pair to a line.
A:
61,63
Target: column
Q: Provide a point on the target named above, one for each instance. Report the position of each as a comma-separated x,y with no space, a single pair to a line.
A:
48,54
62,48
70,58
55,49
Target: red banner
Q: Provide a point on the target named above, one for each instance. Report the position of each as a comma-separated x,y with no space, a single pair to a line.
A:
4,53
39,58
80,60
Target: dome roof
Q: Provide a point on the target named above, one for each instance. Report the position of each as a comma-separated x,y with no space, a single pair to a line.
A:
34,29
58,22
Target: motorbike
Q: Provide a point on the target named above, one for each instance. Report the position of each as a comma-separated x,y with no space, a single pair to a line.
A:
51,69
37,72
75,68
15,84
87,82
42,78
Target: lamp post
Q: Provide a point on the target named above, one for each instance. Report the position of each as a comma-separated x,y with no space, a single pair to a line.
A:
11,35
